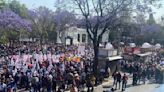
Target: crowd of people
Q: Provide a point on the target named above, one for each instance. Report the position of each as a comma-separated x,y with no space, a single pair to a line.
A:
140,71
50,68
56,68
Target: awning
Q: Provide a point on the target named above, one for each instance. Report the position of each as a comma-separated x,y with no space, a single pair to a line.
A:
145,54
114,58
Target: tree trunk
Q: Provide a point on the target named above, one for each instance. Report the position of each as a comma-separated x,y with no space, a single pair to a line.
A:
96,60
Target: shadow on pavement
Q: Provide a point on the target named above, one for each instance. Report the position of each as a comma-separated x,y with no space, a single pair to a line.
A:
107,86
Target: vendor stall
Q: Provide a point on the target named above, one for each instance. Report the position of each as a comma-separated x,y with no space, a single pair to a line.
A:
144,57
108,57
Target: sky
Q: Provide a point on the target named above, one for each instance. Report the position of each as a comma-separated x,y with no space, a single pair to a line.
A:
32,4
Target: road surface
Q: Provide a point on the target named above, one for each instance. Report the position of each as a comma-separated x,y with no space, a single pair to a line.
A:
148,87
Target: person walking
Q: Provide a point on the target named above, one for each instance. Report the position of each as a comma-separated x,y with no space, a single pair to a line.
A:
90,81
144,76
134,79
124,82
114,78
118,76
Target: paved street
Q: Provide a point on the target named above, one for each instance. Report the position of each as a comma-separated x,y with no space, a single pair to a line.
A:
148,87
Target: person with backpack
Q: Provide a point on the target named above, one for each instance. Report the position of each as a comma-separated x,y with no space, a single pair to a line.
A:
124,81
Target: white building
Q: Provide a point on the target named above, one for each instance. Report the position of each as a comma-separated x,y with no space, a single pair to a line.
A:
80,36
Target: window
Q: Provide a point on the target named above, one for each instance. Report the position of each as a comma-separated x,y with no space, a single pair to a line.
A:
78,37
83,37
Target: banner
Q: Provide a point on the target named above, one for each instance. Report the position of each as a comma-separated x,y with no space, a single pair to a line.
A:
81,50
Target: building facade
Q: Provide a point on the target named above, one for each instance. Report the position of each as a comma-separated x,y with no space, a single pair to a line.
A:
80,36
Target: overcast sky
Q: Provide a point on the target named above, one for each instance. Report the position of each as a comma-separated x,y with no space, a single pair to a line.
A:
32,4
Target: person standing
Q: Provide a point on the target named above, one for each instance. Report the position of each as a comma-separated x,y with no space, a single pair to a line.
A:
90,81
54,84
114,78
124,81
134,79
144,76
118,76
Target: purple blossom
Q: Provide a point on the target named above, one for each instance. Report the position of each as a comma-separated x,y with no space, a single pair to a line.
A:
150,28
64,18
11,21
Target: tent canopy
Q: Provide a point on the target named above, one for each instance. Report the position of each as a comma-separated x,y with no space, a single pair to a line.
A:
157,46
109,46
146,45
132,44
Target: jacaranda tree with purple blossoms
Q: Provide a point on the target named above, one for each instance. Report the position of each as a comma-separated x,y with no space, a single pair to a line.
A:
43,22
63,19
11,22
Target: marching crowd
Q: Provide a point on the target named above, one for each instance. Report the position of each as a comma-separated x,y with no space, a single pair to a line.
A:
56,68
46,69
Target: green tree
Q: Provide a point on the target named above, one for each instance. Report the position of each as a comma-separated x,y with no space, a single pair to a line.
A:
43,22
2,3
18,8
151,19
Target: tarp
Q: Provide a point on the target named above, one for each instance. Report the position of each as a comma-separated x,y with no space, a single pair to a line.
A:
114,58
81,50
